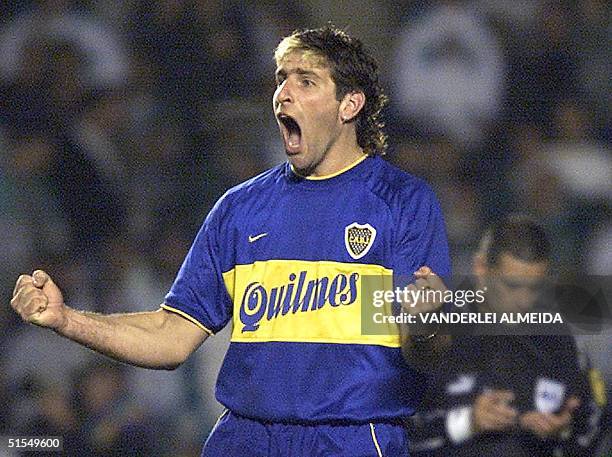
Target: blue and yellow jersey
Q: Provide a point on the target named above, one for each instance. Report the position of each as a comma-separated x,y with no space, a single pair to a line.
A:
282,257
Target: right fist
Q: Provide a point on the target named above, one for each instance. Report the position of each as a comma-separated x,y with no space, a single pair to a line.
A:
492,411
39,301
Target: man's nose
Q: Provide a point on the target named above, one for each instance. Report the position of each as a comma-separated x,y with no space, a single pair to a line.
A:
284,93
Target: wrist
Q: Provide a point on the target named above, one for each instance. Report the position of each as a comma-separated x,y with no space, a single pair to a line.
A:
63,325
423,331
426,334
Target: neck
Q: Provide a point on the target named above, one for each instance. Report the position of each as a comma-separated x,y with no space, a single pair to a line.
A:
331,167
344,152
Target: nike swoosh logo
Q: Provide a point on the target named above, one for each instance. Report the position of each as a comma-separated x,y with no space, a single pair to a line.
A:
256,237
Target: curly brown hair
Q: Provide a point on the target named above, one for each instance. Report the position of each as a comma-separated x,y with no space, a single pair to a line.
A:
352,69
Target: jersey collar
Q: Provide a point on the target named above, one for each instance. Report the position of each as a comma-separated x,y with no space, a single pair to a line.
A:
332,175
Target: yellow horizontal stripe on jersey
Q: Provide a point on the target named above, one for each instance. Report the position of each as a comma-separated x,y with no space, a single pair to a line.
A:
303,301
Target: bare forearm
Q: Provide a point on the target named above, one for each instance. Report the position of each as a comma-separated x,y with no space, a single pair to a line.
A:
156,339
143,339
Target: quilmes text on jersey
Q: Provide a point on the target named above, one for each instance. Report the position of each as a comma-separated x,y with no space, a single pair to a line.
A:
298,295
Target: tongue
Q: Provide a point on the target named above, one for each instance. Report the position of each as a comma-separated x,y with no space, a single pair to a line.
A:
294,138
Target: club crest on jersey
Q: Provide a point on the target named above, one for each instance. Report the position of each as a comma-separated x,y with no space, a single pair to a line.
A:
358,239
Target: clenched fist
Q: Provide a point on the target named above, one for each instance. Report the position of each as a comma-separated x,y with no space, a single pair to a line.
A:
39,301
426,279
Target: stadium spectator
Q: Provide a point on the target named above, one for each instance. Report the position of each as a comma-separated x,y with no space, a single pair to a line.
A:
442,163
110,421
590,31
54,416
26,165
27,99
562,179
449,72
62,20
202,54
543,67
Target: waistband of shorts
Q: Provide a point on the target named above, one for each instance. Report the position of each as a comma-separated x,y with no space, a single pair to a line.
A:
332,423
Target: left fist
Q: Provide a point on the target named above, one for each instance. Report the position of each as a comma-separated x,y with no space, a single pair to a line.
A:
420,300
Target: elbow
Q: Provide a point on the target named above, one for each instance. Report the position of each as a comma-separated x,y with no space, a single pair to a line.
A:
177,362
161,365
171,366
171,361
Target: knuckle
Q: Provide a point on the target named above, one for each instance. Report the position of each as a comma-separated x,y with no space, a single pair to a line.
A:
26,292
15,302
22,278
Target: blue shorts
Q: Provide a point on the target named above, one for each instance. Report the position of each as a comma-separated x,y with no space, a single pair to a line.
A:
237,436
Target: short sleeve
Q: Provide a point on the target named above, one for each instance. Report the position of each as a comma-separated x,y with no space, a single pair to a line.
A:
198,292
421,236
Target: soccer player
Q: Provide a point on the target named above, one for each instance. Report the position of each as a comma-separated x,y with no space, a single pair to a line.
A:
283,257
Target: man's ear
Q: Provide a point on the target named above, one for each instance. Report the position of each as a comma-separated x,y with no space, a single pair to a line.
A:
480,265
351,105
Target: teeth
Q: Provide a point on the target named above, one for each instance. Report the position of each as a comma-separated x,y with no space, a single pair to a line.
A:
293,129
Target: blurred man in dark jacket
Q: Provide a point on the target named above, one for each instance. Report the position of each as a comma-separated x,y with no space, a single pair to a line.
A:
516,394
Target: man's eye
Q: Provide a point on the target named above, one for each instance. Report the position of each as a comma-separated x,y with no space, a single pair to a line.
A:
307,82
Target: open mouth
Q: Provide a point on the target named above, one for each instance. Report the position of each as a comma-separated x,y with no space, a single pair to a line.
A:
292,133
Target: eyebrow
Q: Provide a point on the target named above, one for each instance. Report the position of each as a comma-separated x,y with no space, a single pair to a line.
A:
299,71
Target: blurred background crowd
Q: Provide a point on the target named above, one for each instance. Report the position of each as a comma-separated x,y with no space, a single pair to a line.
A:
121,123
